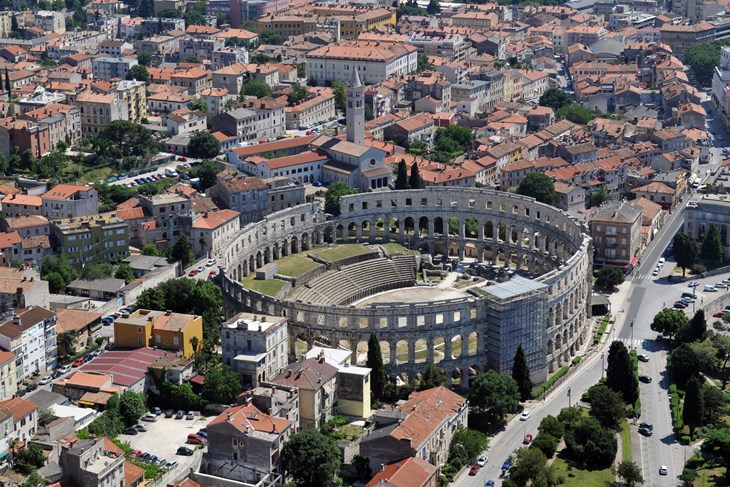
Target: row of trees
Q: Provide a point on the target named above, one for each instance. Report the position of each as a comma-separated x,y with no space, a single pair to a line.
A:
405,181
687,251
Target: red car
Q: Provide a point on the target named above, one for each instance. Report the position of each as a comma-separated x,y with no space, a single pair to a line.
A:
78,362
211,274
527,440
474,469
679,305
719,314
195,439
192,273
182,159
135,453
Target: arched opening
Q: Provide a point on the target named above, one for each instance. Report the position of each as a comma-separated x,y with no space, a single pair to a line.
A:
438,226
502,232
361,354
401,352
456,347
473,343
340,233
454,226
439,349
488,230
421,351
471,227
385,352
409,225
423,226
351,231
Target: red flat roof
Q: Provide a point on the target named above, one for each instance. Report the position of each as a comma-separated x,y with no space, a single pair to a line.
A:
126,367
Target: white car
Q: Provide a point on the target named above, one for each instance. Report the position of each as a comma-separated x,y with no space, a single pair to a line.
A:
710,289
663,470
210,263
45,380
656,271
694,284
525,416
482,461
721,285
662,260
64,369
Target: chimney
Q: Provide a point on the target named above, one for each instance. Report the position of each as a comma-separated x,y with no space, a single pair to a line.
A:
299,375
288,373
16,319
230,415
168,312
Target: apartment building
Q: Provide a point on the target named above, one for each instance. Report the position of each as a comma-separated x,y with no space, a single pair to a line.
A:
186,122
69,201
212,230
30,333
255,346
20,135
374,61
90,464
112,67
50,21
97,238
99,110
134,94
349,21
708,210
63,122
18,204
161,329
194,80
23,423
8,375
259,119
616,231
306,113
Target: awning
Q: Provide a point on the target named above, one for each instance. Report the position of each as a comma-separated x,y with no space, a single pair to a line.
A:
634,261
4,455
86,403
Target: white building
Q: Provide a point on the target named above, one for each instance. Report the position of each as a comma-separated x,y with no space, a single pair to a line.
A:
50,21
112,67
721,85
213,229
98,110
31,335
255,346
375,61
24,423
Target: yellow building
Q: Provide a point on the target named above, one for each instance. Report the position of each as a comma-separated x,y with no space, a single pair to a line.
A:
353,391
352,20
162,329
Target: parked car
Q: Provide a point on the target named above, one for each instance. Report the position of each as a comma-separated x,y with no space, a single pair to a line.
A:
212,274
88,357
98,352
149,417
679,305
211,262
693,284
663,470
180,414
195,439
203,433
130,431
648,426
474,469
719,314
200,268
689,295
145,456
45,380
32,387
141,427
63,369
507,464
78,362
171,465
152,459
490,483
482,461
156,411
193,273
710,289
184,450
527,440
190,415
646,432
643,357
645,379
721,285
525,416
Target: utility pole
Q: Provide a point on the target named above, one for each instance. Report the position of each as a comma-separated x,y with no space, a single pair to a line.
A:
632,335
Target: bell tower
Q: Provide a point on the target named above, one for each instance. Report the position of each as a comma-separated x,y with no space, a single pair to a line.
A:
355,117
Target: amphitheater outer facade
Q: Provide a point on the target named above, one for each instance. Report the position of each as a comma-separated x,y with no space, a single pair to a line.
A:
546,313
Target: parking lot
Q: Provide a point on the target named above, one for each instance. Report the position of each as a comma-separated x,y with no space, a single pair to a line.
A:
165,436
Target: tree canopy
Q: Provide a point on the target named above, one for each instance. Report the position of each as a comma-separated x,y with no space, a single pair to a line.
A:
703,58
610,277
139,73
335,191
684,251
203,145
206,171
555,98
432,376
375,364
58,272
311,459
521,374
494,395
257,88
298,93
591,443
607,406
222,385
466,444
122,138
620,372
452,141
629,472
694,405
131,406
539,186
712,250
669,322
182,251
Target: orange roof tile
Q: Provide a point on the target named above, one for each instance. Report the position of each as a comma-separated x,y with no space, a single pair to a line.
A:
215,219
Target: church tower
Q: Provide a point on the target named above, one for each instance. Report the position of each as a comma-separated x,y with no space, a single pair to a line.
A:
355,109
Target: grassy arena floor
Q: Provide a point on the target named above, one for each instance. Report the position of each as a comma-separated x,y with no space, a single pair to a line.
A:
396,248
338,252
268,287
295,265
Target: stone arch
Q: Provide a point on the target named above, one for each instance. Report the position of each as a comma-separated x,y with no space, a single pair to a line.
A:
361,352
305,241
473,344
454,226
409,225
513,235
439,349
550,346
340,236
329,234
294,244
502,232
351,231
471,227
423,226
558,342
438,226
402,348
457,347
385,352
488,229
421,350
259,260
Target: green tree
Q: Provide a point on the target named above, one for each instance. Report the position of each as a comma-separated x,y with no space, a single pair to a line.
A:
669,322
432,376
34,479
375,364
8,86
521,374
422,62
539,186
311,459
340,92
433,7
466,444
694,404
600,196
684,251
257,88
121,139
203,145
139,73
569,417
190,59
401,180
629,472
714,404
547,444
453,140
124,271
335,191
297,94
493,395
144,58
271,38
620,372
58,272
152,298
703,58
697,326
102,270
206,171
550,425
30,458
415,181
530,468
369,113
131,406
607,406
200,105
683,364
610,277
182,251
555,98
590,443
712,251
222,385
150,249
579,114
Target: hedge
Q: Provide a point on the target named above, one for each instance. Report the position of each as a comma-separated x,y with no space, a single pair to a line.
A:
538,391
576,360
601,329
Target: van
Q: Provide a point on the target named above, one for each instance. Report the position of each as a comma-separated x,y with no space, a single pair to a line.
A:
195,439
697,183
170,173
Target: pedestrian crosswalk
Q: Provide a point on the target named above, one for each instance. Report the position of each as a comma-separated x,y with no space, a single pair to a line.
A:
640,344
648,275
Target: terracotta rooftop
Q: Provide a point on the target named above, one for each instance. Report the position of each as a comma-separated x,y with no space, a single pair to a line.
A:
215,219
19,407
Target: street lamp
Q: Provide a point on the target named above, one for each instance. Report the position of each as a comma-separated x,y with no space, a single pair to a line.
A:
631,346
568,396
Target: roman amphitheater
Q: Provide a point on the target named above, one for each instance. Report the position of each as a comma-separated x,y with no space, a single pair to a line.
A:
454,276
